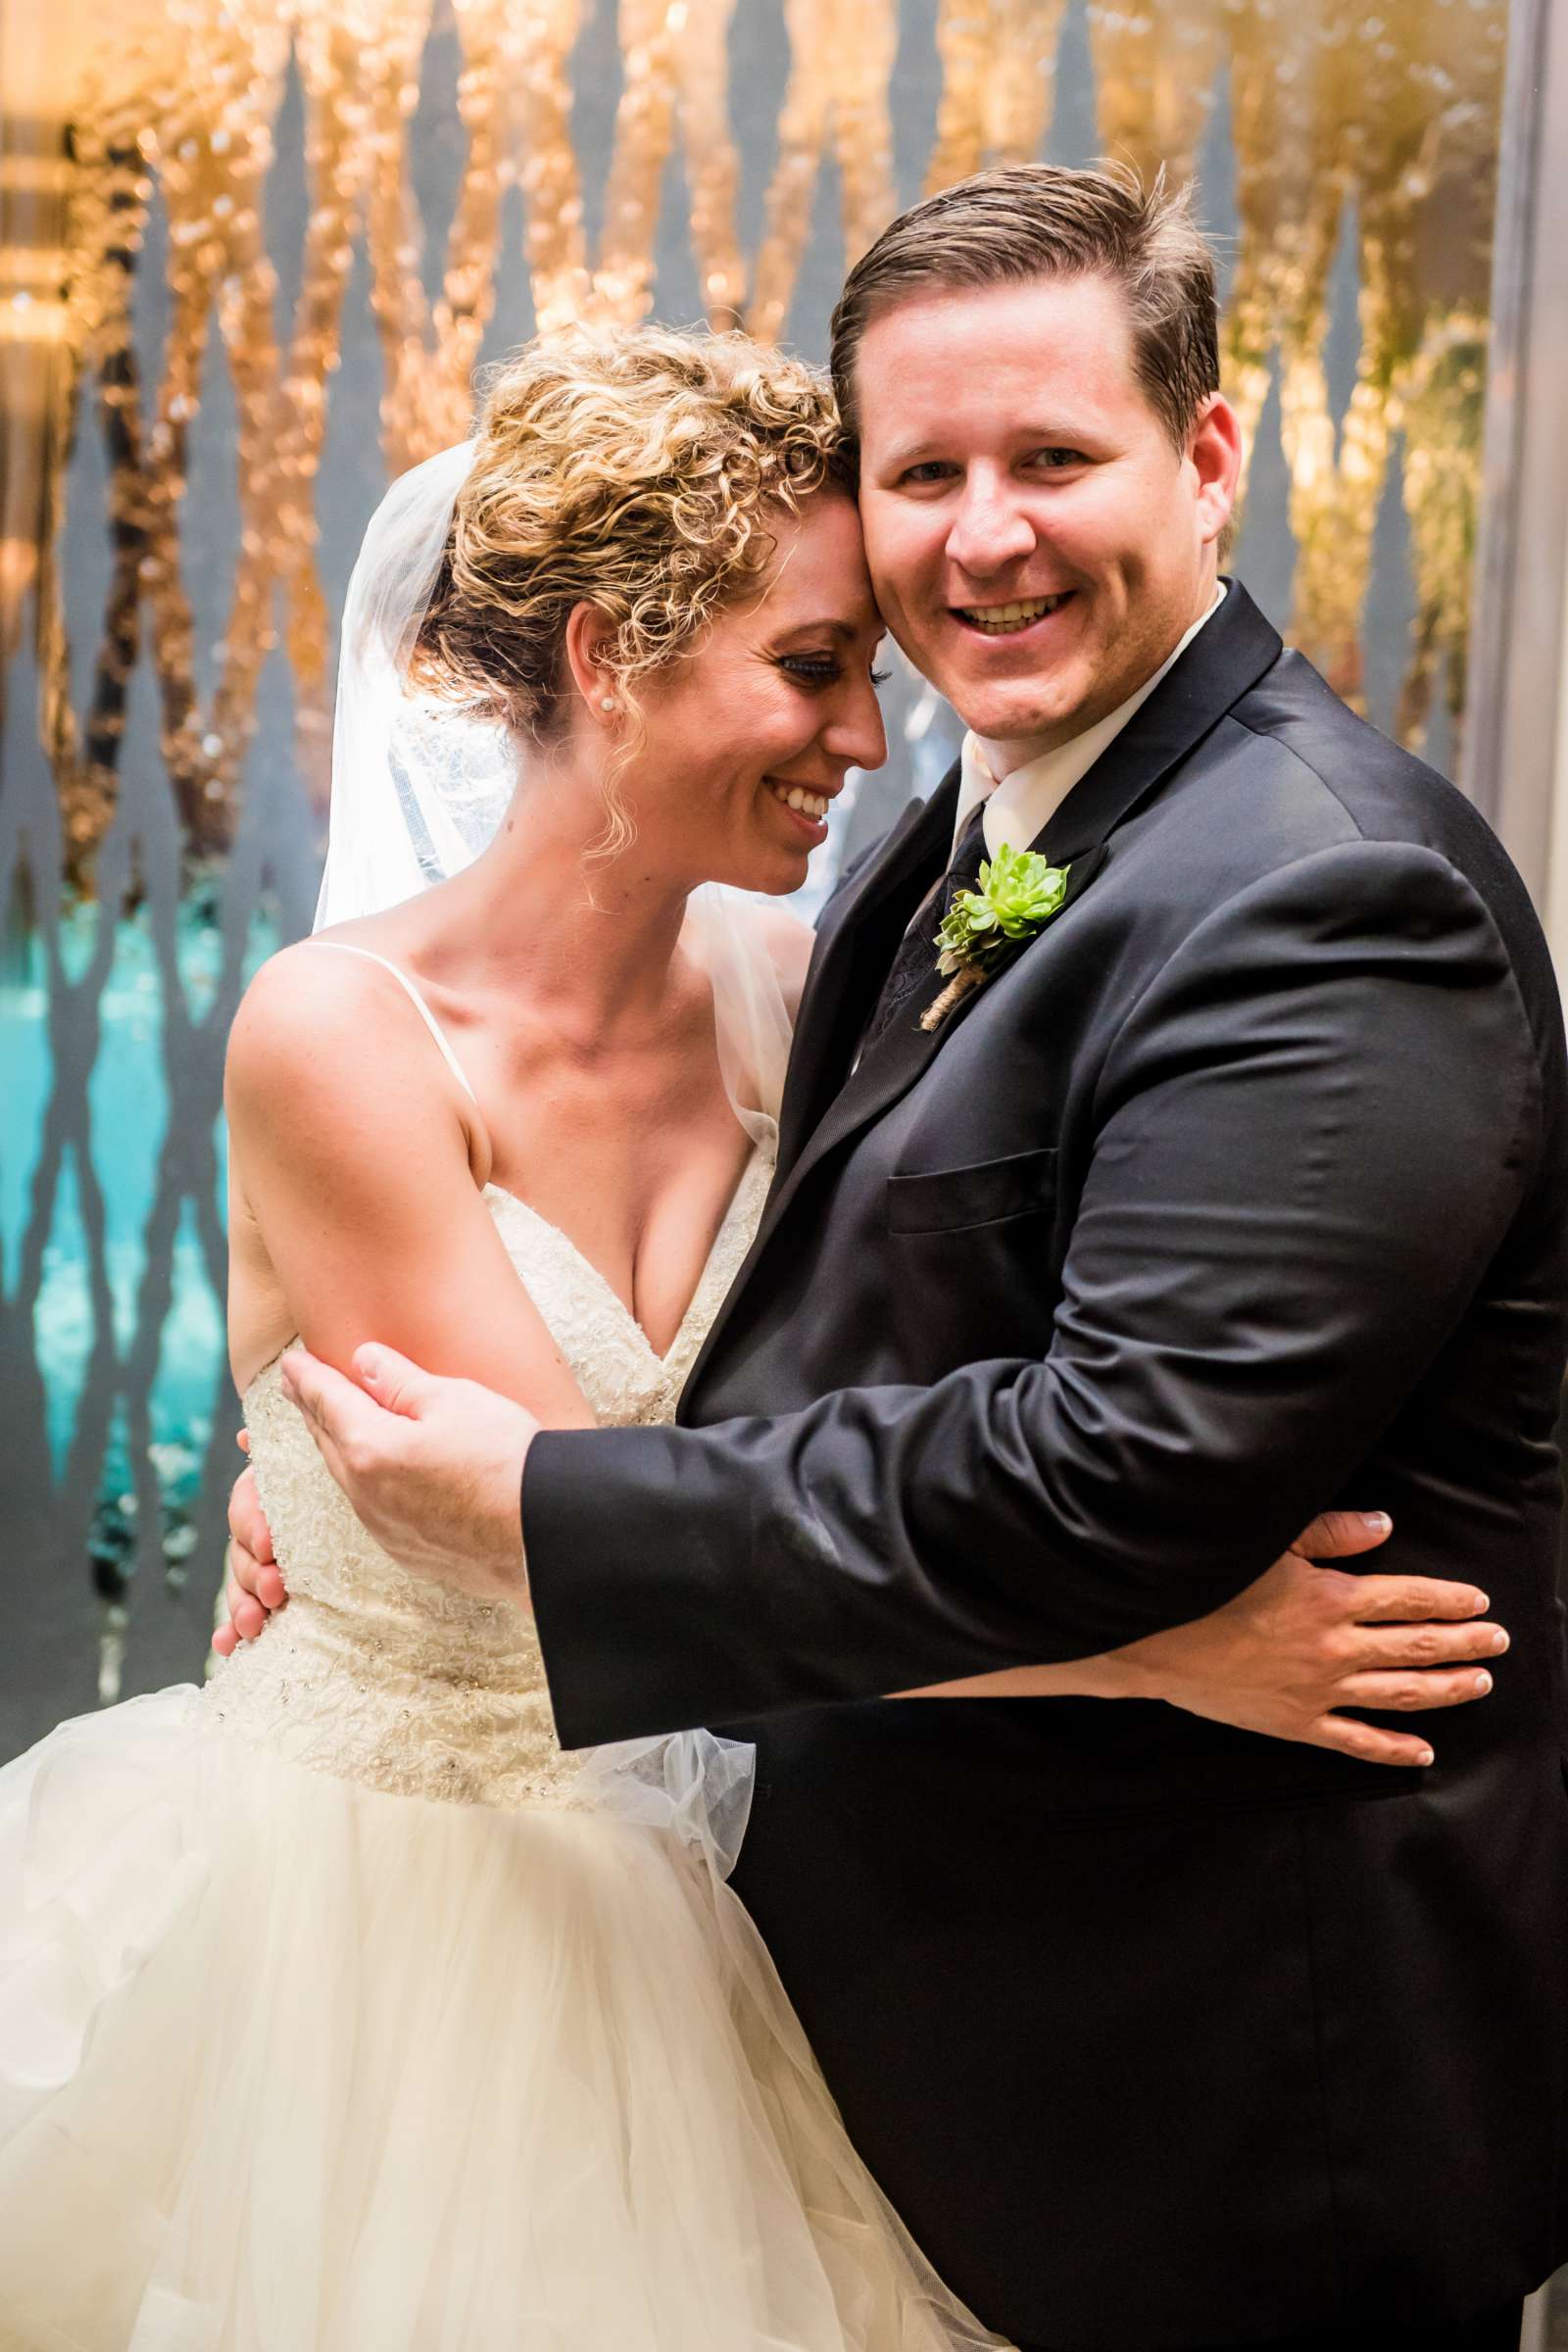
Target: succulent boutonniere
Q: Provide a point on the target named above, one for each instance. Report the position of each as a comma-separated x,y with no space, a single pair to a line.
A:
1018,895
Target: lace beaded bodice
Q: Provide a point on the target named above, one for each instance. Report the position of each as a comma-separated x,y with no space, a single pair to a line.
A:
381,1676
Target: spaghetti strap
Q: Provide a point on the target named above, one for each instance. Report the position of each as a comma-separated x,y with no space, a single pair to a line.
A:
346,948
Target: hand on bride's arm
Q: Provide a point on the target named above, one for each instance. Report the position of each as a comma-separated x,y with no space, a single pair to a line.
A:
1301,1643
432,1467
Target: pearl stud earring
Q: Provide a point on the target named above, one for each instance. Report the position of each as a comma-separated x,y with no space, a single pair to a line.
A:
607,702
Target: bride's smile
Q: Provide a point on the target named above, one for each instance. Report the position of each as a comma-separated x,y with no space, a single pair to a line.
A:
745,743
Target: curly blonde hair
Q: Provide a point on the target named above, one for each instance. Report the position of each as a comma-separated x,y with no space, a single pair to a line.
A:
636,470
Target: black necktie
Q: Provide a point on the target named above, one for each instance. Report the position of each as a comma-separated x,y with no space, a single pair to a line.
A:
916,958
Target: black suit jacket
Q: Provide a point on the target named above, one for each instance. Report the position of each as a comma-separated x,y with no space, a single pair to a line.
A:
1238,1193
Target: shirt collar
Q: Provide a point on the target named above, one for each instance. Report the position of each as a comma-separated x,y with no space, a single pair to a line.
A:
1019,807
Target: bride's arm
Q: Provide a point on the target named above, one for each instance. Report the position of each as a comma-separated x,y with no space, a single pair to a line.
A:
1300,1628
305,1113
351,1142
1295,1649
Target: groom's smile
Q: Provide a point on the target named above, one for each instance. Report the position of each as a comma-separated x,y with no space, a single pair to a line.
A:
1036,539
1012,618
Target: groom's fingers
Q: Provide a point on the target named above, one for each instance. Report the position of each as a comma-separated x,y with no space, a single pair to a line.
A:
247,1521
341,1417
402,1386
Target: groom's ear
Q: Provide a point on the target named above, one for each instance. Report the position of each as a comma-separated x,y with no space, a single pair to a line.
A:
1215,452
588,648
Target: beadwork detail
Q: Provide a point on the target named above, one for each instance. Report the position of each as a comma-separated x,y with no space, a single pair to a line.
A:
381,1676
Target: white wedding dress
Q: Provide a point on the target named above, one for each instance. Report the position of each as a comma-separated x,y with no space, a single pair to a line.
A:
340,2011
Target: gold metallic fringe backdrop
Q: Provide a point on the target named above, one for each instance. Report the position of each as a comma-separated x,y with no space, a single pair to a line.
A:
1380,112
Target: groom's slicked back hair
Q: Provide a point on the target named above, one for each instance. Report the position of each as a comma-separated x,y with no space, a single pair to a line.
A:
1040,221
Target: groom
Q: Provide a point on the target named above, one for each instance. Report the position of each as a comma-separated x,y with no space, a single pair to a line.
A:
1238,1184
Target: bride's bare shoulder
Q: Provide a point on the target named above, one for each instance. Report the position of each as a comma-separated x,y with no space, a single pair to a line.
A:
334,1040
304,1012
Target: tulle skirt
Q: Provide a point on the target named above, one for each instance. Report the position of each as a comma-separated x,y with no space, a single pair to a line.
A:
289,2063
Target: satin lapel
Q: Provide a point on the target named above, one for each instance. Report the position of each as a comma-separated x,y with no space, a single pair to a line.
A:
904,1051
1224,662
859,938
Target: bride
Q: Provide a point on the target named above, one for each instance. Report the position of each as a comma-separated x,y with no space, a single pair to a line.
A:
341,2011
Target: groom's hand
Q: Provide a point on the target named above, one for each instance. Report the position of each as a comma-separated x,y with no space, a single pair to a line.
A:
432,1467
253,1582
1307,1640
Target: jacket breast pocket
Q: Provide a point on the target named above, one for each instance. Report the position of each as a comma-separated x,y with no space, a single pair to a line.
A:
950,1200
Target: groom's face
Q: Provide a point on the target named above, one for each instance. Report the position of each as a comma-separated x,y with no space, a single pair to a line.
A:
1037,541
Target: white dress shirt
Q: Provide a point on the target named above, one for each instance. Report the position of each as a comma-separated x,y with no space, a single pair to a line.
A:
1022,803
